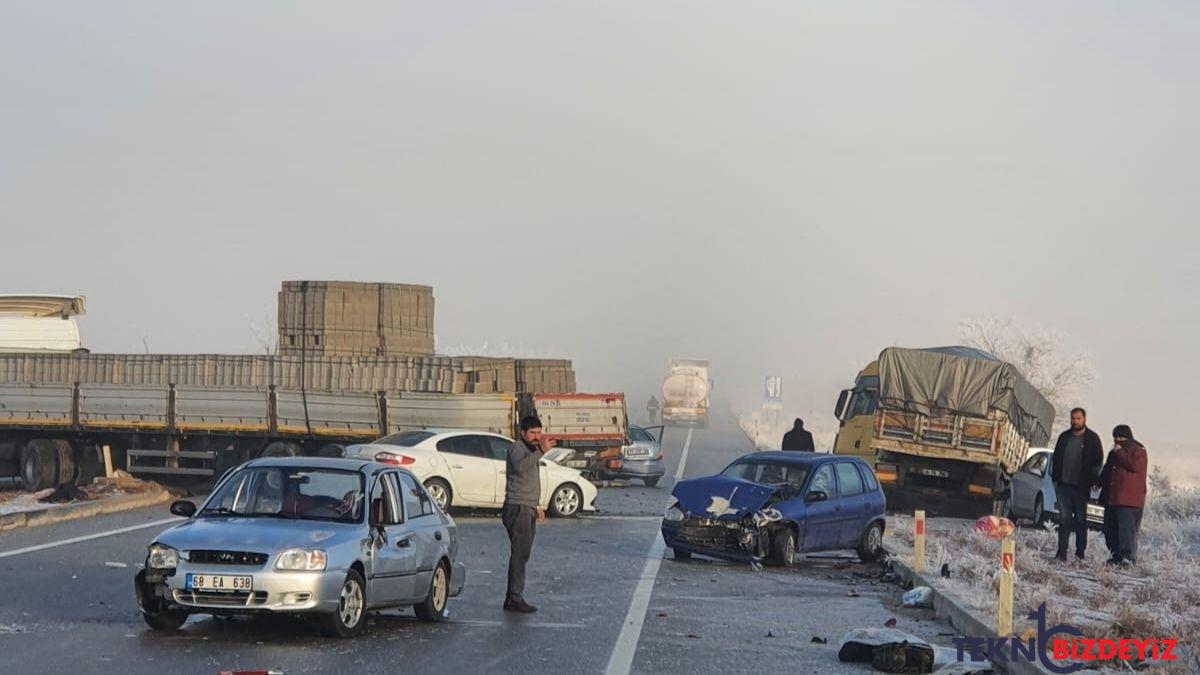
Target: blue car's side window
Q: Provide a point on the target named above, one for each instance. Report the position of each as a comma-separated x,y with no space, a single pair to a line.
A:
824,481
869,477
849,478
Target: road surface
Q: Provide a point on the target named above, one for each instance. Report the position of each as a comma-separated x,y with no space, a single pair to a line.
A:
610,601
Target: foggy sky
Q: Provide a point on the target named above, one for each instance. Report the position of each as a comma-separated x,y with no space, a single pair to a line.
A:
783,188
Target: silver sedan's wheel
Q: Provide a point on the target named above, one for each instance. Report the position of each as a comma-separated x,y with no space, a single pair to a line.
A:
566,501
434,606
348,619
439,492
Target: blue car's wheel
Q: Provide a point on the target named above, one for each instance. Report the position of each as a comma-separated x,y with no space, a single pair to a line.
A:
783,547
870,545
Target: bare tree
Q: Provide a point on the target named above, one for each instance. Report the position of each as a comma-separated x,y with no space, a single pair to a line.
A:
266,333
1038,353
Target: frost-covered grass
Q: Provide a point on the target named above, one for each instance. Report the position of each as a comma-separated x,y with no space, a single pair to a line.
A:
1160,597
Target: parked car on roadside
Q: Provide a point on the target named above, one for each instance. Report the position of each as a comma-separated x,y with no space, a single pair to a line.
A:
642,459
467,468
1033,496
327,537
773,505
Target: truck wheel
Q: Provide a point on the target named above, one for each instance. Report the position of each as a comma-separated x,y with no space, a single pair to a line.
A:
331,450
88,464
870,545
66,463
39,464
281,449
433,608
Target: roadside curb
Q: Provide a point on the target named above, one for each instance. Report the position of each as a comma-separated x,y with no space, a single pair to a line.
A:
49,516
961,618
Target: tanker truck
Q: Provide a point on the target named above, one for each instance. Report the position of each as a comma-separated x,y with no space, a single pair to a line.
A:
685,393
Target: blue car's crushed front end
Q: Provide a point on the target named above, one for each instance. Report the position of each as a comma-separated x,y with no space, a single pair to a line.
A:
722,517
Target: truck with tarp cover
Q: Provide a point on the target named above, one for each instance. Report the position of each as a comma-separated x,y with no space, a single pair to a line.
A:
945,428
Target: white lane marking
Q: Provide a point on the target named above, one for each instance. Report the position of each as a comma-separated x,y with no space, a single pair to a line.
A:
621,660
490,624
623,518
687,444
87,537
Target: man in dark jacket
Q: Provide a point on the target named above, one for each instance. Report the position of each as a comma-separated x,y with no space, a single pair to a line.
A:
798,439
1075,466
1124,495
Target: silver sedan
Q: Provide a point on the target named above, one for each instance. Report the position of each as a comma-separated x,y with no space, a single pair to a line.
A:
329,537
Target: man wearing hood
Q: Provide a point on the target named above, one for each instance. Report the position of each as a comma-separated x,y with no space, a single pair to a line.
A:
1123,494
798,439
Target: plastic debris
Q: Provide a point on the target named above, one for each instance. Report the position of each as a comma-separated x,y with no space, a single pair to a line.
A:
117,565
994,527
819,640
945,570
921,596
890,623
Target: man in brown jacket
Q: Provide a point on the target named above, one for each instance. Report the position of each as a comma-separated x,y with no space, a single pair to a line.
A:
1123,494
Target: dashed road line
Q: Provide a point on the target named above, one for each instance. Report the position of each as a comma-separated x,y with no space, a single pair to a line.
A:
621,660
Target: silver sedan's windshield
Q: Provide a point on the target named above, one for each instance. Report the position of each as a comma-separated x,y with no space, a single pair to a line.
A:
290,492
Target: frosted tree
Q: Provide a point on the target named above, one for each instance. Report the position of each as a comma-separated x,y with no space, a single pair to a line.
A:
1038,353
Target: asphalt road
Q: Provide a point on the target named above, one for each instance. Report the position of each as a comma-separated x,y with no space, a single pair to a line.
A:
610,601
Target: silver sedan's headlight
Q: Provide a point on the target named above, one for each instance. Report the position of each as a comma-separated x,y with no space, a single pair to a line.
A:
301,560
162,557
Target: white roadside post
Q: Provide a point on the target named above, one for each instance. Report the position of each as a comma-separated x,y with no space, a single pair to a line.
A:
1004,604
919,543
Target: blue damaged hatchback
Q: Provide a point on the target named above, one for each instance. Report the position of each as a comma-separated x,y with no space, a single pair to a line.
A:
772,505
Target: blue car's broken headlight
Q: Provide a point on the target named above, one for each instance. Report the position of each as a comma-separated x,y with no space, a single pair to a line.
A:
673,514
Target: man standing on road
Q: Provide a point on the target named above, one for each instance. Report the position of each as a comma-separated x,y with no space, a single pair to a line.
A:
1075,466
520,514
652,408
1124,495
798,439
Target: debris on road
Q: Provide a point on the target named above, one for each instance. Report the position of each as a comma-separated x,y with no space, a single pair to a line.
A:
921,596
887,650
890,623
117,565
819,640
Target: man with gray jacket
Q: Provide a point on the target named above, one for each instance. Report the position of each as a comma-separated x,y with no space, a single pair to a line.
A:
521,514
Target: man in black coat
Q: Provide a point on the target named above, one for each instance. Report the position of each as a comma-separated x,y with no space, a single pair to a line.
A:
798,439
1074,468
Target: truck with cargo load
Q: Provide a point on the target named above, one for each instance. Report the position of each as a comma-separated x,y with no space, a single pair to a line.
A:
56,434
685,393
194,415
944,428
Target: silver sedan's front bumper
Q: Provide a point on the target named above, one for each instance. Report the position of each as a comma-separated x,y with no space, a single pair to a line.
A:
271,590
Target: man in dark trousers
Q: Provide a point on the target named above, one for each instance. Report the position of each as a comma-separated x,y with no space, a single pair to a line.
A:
1124,495
798,439
1075,466
652,408
520,513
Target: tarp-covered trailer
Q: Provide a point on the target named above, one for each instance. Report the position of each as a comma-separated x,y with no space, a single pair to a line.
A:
952,426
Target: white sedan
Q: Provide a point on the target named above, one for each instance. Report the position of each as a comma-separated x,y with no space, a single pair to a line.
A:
467,468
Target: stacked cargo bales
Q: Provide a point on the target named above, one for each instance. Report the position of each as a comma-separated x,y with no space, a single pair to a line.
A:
545,375
435,374
345,318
